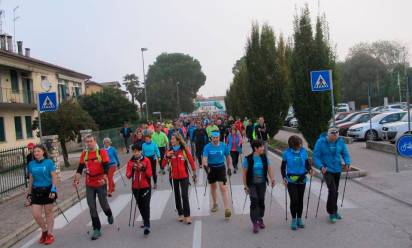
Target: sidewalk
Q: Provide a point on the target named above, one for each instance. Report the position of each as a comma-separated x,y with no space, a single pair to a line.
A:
16,220
380,167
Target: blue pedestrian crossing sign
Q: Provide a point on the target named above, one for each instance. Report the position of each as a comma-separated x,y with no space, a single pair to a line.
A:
321,80
47,102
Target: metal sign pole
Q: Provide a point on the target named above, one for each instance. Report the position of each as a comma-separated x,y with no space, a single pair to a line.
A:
409,103
38,112
396,162
370,106
332,98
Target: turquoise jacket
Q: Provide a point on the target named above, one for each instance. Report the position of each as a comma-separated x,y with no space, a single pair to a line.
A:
114,159
330,155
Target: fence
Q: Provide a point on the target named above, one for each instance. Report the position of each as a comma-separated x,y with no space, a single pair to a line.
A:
113,134
12,170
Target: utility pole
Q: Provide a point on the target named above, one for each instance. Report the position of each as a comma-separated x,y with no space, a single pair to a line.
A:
178,99
399,87
144,80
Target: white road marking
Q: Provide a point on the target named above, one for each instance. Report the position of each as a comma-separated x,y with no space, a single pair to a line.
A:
197,234
71,214
117,205
204,202
279,194
239,200
158,203
324,196
36,234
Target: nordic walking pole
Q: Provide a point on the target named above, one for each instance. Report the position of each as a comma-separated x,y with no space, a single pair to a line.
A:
344,187
307,204
207,175
271,198
173,187
61,211
231,194
78,197
244,203
194,181
131,200
286,202
317,208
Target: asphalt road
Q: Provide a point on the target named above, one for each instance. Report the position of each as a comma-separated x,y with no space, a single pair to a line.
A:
370,220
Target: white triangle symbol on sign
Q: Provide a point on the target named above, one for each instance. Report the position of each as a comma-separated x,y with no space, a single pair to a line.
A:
48,104
320,83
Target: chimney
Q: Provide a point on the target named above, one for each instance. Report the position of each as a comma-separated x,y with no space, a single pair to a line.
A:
3,42
20,47
9,43
27,52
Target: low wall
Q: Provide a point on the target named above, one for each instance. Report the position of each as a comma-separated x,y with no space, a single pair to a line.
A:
381,146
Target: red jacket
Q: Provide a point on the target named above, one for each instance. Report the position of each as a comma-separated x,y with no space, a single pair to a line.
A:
141,180
94,168
178,163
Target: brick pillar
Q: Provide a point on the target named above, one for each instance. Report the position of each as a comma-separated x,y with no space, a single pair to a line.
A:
52,145
83,134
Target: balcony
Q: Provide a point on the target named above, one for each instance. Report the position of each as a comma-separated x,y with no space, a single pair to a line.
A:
17,99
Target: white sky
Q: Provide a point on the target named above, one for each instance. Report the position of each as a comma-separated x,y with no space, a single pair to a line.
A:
103,38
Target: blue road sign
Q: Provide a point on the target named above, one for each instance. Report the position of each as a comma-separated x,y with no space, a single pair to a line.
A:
404,146
321,80
47,102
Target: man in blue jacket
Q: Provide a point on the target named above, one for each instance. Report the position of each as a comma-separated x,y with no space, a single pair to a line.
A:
327,157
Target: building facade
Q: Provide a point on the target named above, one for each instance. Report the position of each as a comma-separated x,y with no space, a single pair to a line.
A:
21,79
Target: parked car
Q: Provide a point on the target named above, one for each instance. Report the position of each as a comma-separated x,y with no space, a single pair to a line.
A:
394,107
360,118
340,116
392,131
363,131
378,109
349,117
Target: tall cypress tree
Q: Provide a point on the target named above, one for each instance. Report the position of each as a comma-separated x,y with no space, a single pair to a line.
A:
313,110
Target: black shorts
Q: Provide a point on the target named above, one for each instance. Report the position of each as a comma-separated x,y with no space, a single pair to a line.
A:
217,174
40,196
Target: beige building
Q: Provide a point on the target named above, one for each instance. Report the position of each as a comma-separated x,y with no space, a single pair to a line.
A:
21,79
93,87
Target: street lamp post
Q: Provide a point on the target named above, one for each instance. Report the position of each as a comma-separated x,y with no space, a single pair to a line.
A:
178,99
144,81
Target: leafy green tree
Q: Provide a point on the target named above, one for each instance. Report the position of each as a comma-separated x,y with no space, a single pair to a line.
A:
109,108
310,52
131,82
168,70
66,122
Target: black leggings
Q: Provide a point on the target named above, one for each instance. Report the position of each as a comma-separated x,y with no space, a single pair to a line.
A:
153,164
235,158
332,181
257,201
142,197
296,194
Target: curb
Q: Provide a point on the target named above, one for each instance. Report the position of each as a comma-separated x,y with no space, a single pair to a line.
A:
381,147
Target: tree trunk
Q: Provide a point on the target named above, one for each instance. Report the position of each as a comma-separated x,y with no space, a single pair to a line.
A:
65,154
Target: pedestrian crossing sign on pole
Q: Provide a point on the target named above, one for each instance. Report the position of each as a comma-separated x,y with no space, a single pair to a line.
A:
47,102
321,80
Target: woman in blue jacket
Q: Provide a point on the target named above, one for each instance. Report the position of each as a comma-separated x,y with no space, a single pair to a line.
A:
327,157
42,192
234,144
152,152
114,162
295,166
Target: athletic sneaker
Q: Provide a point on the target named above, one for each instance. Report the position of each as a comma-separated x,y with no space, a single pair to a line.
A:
109,195
96,234
294,224
338,216
214,208
43,237
146,231
332,218
255,227
228,213
261,224
180,218
188,220
110,219
301,224
49,239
